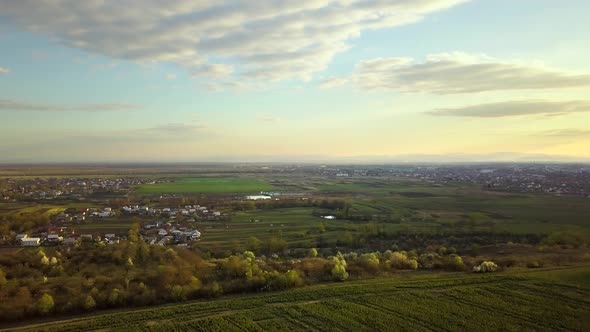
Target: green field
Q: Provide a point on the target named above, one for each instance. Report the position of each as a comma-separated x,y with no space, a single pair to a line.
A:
518,301
206,185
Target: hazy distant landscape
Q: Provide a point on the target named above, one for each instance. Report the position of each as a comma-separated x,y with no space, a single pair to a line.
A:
325,165
344,243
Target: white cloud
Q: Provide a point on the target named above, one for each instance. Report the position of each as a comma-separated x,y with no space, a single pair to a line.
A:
516,108
333,82
15,105
213,71
570,133
450,73
265,40
4,70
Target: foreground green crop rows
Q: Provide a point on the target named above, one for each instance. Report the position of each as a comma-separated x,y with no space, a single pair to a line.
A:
441,303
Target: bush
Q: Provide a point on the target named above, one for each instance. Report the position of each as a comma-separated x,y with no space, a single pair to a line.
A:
486,266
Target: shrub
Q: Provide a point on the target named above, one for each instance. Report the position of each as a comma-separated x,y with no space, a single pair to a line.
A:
486,266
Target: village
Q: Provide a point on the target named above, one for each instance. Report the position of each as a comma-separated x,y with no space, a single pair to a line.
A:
163,226
67,188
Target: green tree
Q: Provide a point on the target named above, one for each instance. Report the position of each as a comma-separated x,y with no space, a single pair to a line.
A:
177,293
45,304
253,244
133,234
312,252
89,303
339,268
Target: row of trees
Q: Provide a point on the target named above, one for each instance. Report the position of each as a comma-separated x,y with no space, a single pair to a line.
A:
65,280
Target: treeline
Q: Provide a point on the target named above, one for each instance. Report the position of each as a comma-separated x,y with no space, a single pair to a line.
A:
86,278
21,222
329,204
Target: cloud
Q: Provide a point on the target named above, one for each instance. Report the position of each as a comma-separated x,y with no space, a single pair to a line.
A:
168,132
451,73
566,133
175,128
516,108
4,70
13,105
333,82
213,70
266,40
267,118
170,76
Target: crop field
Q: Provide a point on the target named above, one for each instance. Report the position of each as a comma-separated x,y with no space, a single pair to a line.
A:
206,185
420,301
292,224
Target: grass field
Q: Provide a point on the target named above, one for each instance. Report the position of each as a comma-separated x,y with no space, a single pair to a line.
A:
206,185
409,302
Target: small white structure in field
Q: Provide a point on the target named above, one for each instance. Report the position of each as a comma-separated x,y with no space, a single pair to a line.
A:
329,217
257,197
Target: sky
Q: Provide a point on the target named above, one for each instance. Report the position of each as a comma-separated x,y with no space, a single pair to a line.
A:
305,80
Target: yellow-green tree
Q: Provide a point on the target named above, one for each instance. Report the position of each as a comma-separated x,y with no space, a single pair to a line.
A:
45,304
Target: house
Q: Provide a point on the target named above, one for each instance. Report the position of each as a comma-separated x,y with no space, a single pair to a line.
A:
86,237
19,237
70,241
54,238
109,236
31,242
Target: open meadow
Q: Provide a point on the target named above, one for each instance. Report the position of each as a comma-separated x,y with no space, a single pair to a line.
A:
192,185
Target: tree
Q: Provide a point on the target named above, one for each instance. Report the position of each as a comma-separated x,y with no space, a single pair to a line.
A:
370,262
23,299
89,303
116,297
143,253
45,304
2,279
339,270
486,266
312,252
253,244
177,293
133,234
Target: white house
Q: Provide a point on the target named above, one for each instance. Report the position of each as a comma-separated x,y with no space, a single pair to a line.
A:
31,242
19,237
